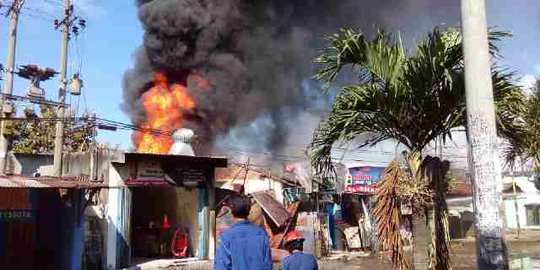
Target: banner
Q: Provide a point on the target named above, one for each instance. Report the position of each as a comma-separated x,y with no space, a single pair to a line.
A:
363,179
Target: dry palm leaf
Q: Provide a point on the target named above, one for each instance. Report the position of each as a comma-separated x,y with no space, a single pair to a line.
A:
436,172
388,216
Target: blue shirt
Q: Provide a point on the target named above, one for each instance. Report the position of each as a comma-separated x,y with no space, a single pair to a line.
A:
244,247
299,261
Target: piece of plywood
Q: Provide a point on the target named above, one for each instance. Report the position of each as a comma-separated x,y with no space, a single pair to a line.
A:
353,237
275,210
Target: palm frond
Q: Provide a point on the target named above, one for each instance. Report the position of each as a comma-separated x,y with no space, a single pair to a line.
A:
494,37
377,60
523,139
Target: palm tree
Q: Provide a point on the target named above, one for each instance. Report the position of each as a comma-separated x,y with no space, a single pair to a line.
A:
413,99
526,143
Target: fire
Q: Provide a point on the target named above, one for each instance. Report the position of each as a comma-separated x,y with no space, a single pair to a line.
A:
163,105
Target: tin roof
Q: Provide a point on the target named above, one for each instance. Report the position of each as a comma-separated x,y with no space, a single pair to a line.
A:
236,172
17,181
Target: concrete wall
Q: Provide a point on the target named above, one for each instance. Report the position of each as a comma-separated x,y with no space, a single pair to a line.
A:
95,165
515,209
27,165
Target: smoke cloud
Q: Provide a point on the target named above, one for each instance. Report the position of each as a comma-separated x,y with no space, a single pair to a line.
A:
257,58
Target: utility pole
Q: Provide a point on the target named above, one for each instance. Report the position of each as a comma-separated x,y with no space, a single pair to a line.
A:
14,11
484,160
59,136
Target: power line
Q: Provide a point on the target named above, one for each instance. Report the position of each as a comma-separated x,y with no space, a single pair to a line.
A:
39,11
54,2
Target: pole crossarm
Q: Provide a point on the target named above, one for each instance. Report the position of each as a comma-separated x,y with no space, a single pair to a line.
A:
34,100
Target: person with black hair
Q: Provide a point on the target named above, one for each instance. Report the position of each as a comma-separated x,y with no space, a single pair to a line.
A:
297,260
244,246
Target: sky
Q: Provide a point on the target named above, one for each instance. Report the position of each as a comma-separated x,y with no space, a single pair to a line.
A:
104,50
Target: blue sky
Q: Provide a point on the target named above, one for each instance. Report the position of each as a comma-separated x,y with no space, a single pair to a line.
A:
105,48
113,33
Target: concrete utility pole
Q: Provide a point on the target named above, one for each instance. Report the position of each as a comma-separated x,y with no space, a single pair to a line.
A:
484,160
59,137
14,11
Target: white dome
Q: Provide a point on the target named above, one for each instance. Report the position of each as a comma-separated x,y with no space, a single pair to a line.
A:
182,139
183,135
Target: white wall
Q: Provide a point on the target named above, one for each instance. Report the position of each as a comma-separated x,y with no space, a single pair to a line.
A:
510,207
530,195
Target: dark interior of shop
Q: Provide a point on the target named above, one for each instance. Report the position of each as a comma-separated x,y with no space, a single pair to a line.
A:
163,223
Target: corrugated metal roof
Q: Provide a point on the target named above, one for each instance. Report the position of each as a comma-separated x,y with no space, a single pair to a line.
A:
236,172
16,181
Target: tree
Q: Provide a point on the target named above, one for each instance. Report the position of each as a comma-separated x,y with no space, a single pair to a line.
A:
526,143
413,99
34,134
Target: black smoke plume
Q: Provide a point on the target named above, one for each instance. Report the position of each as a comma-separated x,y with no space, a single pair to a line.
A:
256,55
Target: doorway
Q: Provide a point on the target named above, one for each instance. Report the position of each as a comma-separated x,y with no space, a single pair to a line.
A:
161,216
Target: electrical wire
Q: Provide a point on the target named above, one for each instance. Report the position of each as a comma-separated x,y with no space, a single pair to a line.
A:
36,15
39,11
54,2
231,149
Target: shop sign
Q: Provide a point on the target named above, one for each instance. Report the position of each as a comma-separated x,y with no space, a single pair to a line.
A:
365,175
16,215
363,179
190,176
150,171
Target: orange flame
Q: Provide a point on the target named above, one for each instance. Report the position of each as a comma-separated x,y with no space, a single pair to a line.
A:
163,107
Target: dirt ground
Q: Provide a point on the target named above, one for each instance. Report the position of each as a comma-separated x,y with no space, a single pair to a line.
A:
372,262
524,254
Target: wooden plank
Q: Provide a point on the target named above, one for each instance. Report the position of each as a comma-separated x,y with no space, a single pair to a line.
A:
276,211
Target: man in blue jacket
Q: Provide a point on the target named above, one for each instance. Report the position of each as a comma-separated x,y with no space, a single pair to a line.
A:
244,246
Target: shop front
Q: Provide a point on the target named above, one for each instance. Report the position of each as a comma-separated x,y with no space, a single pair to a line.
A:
41,222
350,223
162,206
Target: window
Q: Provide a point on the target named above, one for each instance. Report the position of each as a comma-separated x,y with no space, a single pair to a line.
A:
533,214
